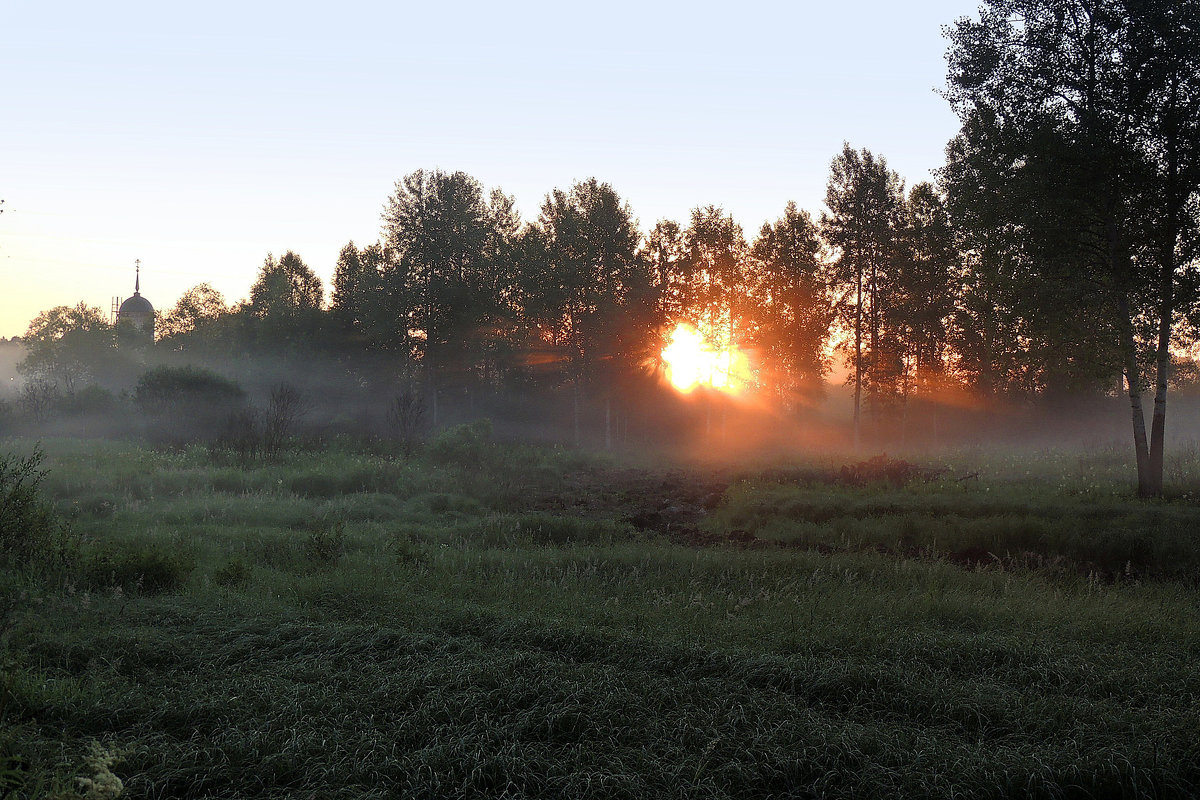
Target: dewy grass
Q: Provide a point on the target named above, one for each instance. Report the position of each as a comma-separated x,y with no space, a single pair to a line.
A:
1106,534
427,634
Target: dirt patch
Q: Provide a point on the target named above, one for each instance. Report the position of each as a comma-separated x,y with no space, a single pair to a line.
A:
672,503
676,502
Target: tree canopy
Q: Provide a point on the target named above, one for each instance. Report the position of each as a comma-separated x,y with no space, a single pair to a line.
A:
1084,117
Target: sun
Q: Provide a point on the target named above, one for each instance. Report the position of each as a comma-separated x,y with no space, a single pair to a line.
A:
692,361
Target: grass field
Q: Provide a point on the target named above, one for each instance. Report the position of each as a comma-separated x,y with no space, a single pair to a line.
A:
503,621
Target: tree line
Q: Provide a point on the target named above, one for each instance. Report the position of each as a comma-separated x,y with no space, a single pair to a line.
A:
459,290
1056,254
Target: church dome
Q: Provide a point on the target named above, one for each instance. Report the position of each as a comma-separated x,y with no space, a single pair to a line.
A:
135,305
136,312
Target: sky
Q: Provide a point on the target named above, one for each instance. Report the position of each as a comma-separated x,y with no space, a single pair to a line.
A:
199,137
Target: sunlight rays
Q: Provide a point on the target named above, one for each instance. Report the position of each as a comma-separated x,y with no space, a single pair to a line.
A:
692,360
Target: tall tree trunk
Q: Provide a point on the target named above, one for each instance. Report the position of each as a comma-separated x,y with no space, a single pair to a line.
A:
1158,423
987,368
858,371
608,422
1129,347
1166,296
873,364
575,408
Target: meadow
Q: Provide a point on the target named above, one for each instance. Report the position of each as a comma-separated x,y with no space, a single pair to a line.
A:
499,620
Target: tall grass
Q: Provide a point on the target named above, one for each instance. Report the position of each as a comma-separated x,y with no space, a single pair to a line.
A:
356,625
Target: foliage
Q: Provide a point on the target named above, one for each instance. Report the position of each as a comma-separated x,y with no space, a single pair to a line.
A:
174,390
31,532
467,445
195,318
285,407
922,304
406,419
366,313
103,783
591,240
664,251
8,416
866,202
247,433
793,283
184,403
442,281
92,399
285,287
38,398
1092,108
68,347
235,573
355,287
241,436
284,310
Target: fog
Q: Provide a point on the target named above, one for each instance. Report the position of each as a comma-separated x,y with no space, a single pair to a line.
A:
368,403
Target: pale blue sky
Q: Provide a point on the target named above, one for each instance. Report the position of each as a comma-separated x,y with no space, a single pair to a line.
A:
199,139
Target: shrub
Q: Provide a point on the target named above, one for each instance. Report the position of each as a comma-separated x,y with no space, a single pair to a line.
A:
286,406
406,420
241,437
182,404
8,417
38,398
88,400
145,570
104,784
466,445
169,389
30,531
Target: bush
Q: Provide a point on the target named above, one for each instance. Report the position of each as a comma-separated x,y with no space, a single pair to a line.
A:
466,445
87,401
8,417
38,399
30,531
171,389
241,437
145,570
406,420
182,404
286,406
